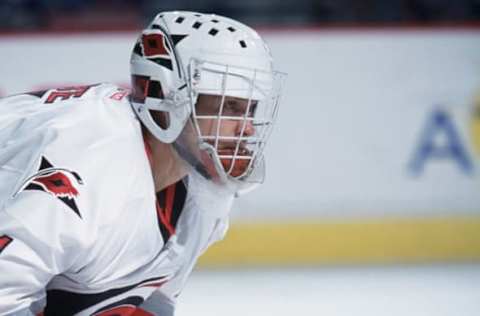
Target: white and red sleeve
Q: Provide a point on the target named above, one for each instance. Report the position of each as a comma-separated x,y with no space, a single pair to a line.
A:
38,240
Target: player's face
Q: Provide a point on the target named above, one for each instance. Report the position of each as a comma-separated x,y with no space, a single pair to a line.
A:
232,122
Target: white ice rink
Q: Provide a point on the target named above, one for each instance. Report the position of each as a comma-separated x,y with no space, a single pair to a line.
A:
452,290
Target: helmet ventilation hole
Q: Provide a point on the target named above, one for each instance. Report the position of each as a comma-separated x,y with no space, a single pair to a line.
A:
180,19
213,32
196,25
243,44
231,29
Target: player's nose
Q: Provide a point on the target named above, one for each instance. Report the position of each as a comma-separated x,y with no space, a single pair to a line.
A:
247,127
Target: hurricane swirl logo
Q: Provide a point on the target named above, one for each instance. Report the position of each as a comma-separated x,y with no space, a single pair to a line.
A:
58,182
158,47
155,46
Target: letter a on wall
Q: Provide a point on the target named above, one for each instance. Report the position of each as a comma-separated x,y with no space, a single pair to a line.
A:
440,124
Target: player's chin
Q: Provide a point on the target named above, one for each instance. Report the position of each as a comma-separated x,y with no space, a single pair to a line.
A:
240,165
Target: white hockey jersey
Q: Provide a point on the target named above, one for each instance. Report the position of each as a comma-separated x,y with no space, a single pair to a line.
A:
82,230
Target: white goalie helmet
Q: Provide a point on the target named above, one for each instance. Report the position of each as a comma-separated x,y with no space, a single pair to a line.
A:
184,59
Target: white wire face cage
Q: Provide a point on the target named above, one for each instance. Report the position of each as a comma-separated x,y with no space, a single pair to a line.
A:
188,92
233,112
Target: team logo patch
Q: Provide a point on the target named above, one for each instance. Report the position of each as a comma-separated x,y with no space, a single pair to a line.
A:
156,46
59,182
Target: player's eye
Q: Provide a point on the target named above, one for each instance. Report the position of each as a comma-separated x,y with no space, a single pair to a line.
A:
233,108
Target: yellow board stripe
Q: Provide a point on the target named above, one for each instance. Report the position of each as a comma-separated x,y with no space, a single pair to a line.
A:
374,241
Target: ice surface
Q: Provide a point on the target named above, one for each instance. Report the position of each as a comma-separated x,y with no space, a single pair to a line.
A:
452,290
